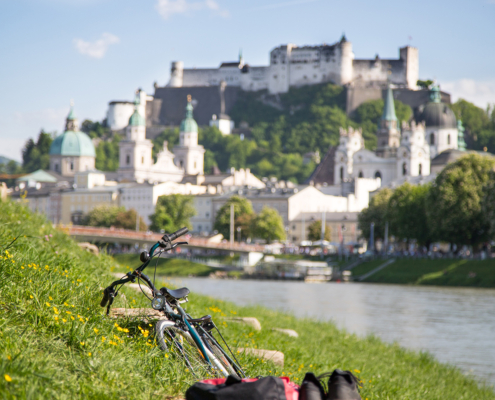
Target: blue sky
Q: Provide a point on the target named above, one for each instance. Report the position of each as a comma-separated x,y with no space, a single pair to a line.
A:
95,51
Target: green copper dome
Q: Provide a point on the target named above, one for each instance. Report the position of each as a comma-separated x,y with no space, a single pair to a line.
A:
71,143
136,118
188,124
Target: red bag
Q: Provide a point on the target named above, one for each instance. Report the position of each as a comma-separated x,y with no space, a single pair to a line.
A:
233,388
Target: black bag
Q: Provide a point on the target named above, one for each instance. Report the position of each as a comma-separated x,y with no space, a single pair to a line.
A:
342,385
268,388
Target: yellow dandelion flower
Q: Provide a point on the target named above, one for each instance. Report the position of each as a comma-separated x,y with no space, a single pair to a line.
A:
64,320
358,371
7,378
87,319
72,305
66,304
31,296
166,355
126,330
103,338
22,267
96,330
48,304
79,280
47,267
119,329
50,297
55,310
68,312
81,343
56,318
10,359
72,318
89,354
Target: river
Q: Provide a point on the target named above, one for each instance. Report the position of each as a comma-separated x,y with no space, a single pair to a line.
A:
456,325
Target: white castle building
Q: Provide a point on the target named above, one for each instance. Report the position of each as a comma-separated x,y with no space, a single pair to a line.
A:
291,65
135,152
400,153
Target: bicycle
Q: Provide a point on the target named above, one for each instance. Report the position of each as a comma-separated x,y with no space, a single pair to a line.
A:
190,340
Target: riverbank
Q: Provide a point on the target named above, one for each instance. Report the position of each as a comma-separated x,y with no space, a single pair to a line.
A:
57,343
440,272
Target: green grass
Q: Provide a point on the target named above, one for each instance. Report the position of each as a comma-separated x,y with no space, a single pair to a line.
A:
366,267
166,266
443,272
57,343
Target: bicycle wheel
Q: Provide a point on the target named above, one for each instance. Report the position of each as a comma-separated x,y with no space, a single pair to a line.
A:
220,355
180,345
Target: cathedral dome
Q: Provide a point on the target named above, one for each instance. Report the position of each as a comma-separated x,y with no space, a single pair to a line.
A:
71,143
137,119
436,113
188,124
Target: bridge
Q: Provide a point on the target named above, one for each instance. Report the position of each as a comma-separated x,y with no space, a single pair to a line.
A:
250,253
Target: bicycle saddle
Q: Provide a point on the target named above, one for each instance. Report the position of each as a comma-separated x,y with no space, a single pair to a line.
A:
176,294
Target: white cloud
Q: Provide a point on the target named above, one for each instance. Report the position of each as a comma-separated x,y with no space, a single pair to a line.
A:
98,48
480,93
167,8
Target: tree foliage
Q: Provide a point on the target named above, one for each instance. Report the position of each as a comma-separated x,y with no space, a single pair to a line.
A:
172,212
36,155
424,84
268,225
378,213
314,231
107,154
406,206
118,217
454,203
243,217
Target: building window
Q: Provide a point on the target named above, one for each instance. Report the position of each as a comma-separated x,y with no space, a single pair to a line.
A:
420,170
181,163
432,138
194,164
128,159
360,175
56,167
404,169
341,173
448,139
378,174
72,166
142,160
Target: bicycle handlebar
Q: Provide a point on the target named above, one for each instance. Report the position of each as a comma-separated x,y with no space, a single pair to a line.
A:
175,235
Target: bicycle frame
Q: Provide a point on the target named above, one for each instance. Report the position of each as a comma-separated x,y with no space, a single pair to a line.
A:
190,333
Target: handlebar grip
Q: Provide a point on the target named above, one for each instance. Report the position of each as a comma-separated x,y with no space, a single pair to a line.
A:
177,234
105,299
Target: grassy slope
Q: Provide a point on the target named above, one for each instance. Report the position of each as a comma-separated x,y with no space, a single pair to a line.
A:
432,272
44,353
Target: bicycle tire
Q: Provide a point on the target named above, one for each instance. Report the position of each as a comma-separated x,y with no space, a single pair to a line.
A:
221,355
180,345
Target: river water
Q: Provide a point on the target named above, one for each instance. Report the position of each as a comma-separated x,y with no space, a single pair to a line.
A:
456,325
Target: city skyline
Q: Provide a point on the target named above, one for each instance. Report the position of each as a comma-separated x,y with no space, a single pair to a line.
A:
95,51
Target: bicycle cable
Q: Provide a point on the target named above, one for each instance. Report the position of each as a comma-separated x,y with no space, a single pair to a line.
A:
139,283
156,264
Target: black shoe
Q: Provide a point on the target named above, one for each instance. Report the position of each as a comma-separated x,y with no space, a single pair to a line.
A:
343,385
311,388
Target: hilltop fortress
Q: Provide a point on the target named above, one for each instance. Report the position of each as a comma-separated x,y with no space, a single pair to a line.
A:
214,91
291,65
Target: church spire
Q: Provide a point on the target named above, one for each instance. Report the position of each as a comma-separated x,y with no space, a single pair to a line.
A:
188,124
71,120
461,144
389,106
136,118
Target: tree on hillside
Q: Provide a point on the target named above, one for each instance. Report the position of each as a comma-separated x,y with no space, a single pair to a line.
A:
95,129
268,225
424,84
488,203
169,135
377,212
36,155
407,213
243,217
454,203
107,154
479,125
118,217
314,231
172,212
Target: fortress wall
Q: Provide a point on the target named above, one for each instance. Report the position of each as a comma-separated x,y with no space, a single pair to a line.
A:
255,79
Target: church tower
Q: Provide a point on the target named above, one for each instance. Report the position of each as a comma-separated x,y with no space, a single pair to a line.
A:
188,154
388,135
135,151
